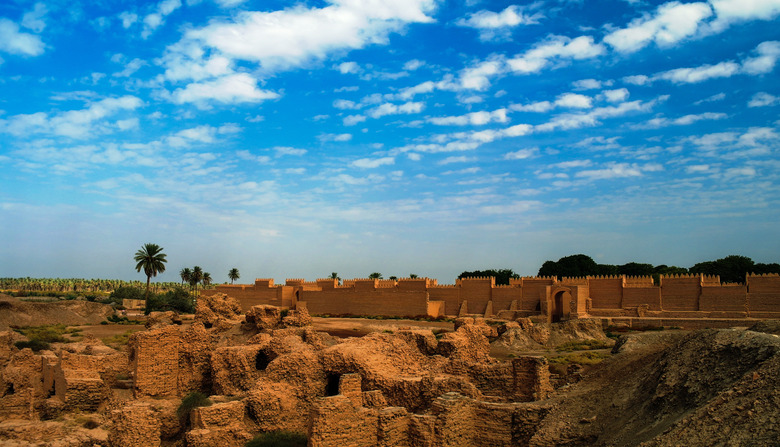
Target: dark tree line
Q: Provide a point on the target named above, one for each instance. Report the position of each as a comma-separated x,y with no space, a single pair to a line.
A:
502,276
730,269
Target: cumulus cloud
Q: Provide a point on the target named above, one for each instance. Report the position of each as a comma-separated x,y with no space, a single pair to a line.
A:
352,120
33,20
235,88
334,137
395,109
686,120
574,101
74,123
618,170
456,159
474,118
284,150
617,95
763,99
497,24
14,41
669,24
555,49
521,154
765,60
478,76
154,20
128,19
370,163
731,11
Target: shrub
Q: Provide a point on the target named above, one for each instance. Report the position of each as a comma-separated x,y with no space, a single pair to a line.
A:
124,293
178,300
282,438
582,345
48,334
35,345
193,400
118,339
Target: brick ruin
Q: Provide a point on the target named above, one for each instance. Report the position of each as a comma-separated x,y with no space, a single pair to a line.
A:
682,300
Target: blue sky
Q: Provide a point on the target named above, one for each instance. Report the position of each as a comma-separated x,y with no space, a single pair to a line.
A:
431,137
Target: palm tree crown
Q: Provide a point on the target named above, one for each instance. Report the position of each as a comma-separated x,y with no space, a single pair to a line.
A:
152,260
233,275
185,275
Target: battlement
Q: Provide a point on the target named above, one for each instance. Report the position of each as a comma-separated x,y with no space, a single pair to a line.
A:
606,277
264,282
578,280
638,281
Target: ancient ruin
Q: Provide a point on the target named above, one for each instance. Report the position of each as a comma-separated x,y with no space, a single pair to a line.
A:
268,369
686,301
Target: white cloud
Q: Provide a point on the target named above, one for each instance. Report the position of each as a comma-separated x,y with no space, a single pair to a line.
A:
370,163
671,23
394,109
410,92
730,11
128,19
301,34
538,107
348,67
574,101
74,123
283,150
555,49
456,159
478,76
474,118
572,164
637,80
413,65
352,120
130,68
235,88
497,24
155,19
14,41
345,104
334,137
686,120
229,3
578,120
617,95
521,154
587,84
768,53
699,74
618,170
248,156
763,99
33,20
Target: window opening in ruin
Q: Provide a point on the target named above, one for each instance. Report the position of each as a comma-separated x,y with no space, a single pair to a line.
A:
557,310
9,389
208,325
262,360
332,384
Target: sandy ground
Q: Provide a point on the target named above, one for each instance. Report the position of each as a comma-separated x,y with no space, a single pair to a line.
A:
357,327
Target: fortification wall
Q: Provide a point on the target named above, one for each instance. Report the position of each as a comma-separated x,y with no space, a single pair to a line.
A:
606,292
637,296
532,292
450,295
371,302
680,292
727,298
477,291
503,297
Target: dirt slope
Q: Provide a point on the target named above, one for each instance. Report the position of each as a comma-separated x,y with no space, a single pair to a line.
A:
712,387
20,313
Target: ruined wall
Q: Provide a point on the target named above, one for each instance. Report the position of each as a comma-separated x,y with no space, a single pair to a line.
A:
449,294
154,357
763,295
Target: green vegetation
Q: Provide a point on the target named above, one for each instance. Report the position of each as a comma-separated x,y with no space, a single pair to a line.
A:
582,345
177,300
193,400
152,260
282,438
233,275
118,340
502,276
35,345
730,269
580,357
375,275
52,333
125,293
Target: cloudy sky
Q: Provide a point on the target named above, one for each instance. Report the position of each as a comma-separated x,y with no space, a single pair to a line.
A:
292,140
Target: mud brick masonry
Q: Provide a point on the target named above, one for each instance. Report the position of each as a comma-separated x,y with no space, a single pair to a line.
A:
679,300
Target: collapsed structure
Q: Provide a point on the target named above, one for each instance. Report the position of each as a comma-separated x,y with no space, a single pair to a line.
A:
684,298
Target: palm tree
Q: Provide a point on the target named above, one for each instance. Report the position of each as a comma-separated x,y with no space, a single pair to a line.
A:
195,277
335,276
412,276
375,275
206,280
185,275
233,275
152,260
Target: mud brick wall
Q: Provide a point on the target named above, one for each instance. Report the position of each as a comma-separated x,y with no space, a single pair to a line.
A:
531,292
454,420
636,296
477,291
606,293
385,302
449,294
80,389
493,424
393,427
763,293
531,378
154,357
731,298
337,422
503,297
680,293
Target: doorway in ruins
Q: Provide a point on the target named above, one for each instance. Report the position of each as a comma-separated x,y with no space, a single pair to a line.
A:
557,310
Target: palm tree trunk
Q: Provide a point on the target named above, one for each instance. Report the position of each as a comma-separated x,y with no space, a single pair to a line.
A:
148,280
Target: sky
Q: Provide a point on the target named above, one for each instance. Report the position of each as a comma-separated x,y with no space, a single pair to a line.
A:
292,140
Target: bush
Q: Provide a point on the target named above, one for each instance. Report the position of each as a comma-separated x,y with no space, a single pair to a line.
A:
280,438
35,345
48,334
177,300
193,400
124,293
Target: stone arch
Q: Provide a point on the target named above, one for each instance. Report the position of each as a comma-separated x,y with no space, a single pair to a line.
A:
559,304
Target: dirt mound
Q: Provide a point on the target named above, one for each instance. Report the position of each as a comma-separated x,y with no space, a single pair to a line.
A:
21,313
713,387
523,335
767,326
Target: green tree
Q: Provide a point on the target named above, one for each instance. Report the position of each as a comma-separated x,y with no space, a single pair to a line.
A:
730,269
233,275
412,276
375,275
335,276
206,280
185,275
502,276
152,260
196,277
572,266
